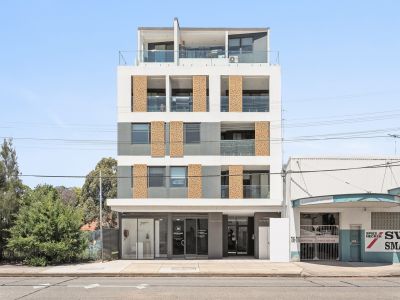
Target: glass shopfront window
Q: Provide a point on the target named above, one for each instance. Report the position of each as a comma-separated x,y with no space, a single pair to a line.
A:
144,238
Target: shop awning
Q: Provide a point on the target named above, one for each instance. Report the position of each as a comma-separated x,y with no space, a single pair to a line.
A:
349,200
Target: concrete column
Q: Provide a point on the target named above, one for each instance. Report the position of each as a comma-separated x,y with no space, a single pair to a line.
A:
169,237
215,235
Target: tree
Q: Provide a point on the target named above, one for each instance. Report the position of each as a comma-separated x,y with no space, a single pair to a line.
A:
47,231
90,191
11,190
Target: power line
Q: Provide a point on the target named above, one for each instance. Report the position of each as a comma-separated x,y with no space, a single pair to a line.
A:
392,164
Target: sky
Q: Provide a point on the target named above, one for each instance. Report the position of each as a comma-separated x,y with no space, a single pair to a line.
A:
58,60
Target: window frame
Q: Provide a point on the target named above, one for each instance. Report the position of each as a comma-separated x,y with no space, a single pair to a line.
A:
149,177
185,140
148,134
171,178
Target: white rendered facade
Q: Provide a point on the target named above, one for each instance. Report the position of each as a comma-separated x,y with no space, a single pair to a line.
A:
208,59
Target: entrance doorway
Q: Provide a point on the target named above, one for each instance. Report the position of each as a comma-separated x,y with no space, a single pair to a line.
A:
238,236
355,243
190,237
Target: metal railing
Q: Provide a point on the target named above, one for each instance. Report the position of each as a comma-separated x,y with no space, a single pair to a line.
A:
319,242
249,191
156,103
237,147
208,56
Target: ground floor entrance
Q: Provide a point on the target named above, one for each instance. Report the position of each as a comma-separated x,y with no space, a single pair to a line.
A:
190,237
319,236
194,235
240,234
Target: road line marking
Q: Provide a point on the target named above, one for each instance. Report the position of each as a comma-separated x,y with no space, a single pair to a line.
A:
91,286
40,286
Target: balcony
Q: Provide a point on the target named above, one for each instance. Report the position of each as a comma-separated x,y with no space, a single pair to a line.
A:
184,104
224,103
158,56
202,53
249,191
156,103
237,147
255,104
181,103
213,57
250,104
255,191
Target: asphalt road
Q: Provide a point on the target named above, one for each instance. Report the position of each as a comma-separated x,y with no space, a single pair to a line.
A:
198,288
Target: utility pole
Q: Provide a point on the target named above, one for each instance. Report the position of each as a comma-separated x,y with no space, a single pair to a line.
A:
101,217
395,136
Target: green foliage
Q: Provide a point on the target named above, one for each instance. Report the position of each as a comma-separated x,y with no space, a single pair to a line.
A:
47,231
11,190
90,191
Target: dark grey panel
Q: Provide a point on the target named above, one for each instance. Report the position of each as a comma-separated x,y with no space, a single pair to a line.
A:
125,146
124,182
165,192
215,235
211,186
210,134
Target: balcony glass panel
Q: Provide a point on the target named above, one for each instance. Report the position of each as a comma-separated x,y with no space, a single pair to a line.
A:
155,103
224,103
248,56
182,103
224,191
237,147
157,56
255,191
249,191
202,53
255,103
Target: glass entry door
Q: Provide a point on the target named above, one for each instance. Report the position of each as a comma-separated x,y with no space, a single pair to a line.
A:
190,237
238,236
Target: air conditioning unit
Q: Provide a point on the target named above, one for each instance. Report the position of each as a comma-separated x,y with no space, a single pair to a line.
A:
233,59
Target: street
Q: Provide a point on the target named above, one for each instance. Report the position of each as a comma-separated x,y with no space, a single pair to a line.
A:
198,288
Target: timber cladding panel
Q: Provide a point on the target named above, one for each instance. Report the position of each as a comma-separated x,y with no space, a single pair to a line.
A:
194,181
139,93
235,93
236,182
262,138
157,138
139,181
199,93
176,139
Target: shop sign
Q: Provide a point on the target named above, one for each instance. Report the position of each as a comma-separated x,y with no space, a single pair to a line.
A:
320,239
382,240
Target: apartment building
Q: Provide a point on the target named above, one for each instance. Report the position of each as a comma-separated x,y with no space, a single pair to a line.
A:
199,143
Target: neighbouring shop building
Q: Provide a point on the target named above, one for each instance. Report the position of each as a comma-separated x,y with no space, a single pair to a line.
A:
351,214
196,109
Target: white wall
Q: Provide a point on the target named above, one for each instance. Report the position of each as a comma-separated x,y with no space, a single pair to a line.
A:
279,240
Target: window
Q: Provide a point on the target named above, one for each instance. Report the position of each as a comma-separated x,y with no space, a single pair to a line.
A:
192,133
156,176
244,44
385,220
141,133
178,177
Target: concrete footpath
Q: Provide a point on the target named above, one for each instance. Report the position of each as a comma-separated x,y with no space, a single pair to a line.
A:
223,268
